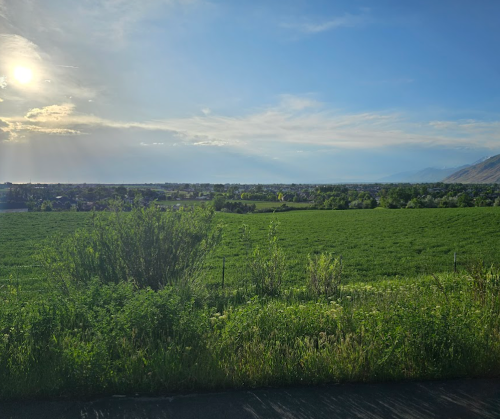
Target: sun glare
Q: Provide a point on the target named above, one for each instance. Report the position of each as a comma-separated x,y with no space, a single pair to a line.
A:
23,74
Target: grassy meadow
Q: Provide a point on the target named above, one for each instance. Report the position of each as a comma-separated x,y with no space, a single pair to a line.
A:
259,205
374,244
399,313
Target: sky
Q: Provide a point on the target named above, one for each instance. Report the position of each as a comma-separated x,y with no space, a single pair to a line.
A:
234,91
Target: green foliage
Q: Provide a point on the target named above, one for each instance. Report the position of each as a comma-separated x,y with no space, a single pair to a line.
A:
148,247
324,274
101,338
267,267
46,206
218,202
69,340
390,331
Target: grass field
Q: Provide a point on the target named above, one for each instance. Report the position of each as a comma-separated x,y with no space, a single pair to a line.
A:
373,244
258,204
388,321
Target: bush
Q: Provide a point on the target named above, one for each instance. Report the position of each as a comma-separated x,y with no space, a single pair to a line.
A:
149,247
267,267
325,274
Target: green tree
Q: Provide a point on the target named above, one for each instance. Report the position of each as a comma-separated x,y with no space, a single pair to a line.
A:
46,206
219,188
218,202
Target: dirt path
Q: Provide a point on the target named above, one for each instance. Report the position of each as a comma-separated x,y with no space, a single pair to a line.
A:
439,399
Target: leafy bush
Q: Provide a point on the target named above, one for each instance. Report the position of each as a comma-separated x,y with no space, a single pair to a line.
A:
149,247
325,274
267,267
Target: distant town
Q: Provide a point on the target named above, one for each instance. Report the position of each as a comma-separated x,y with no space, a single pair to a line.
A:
242,198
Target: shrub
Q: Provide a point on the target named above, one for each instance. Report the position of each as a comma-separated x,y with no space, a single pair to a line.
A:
149,247
325,274
267,267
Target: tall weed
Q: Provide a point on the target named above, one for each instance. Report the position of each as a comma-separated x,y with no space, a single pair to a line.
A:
324,274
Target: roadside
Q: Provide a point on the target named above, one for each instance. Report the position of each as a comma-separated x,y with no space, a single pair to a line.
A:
474,398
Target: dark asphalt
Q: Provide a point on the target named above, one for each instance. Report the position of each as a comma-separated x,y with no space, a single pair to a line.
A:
478,398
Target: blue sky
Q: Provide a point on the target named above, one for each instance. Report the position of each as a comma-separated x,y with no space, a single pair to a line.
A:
245,91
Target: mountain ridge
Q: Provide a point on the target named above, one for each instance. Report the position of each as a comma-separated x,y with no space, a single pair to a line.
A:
429,174
487,171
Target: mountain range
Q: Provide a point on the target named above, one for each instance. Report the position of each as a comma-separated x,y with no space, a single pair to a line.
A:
485,170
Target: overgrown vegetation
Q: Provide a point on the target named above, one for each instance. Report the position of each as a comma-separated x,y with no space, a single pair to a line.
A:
325,274
146,246
97,332
267,266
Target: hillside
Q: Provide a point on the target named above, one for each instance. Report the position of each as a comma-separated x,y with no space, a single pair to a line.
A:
430,174
487,171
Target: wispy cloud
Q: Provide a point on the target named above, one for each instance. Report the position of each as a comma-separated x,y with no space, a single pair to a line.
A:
117,19
16,49
19,132
298,103
268,130
210,143
3,9
50,113
316,26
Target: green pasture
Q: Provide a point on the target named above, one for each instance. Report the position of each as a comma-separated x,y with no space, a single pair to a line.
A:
373,244
183,202
267,204
22,234
258,204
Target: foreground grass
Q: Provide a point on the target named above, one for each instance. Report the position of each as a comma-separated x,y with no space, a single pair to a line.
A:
96,334
108,339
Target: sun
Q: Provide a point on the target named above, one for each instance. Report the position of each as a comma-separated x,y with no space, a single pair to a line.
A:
23,74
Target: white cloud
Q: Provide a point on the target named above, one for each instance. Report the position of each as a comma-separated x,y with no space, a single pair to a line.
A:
345,21
45,130
50,113
17,50
214,143
150,144
288,124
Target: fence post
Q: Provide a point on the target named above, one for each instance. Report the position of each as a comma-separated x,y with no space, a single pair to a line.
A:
455,262
223,269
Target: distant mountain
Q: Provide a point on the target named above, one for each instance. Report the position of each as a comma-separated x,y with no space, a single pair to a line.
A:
487,171
428,175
